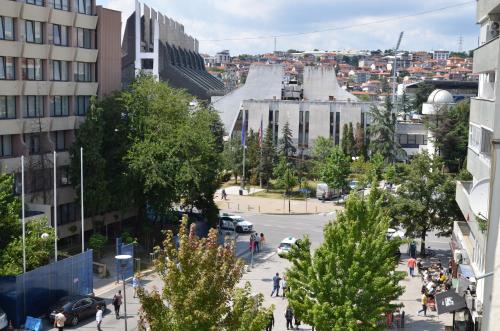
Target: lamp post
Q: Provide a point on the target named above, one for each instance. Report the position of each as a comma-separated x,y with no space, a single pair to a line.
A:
122,260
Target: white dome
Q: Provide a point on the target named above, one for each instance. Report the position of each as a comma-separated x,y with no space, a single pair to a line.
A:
440,96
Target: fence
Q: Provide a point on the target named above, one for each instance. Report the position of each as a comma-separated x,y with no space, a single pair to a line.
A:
32,293
126,268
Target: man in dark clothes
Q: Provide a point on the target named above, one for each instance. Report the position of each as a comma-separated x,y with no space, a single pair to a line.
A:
276,285
270,325
289,318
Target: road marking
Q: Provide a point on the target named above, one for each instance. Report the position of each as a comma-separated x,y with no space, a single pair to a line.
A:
268,255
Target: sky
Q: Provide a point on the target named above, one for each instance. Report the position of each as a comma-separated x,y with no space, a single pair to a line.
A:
210,21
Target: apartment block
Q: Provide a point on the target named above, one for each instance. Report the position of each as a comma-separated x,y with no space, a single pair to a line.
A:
48,74
475,239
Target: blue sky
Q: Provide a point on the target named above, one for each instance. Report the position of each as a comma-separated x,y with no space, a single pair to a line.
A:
216,19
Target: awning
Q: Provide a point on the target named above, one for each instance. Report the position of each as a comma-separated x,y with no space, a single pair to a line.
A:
449,301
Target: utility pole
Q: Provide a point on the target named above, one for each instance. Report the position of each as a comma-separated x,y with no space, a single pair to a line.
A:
394,69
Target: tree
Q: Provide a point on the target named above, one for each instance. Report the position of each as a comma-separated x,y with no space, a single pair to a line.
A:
268,157
97,242
421,95
451,134
322,148
286,177
348,139
359,141
425,200
335,170
287,148
199,292
382,132
253,158
233,157
10,207
349,281
406,106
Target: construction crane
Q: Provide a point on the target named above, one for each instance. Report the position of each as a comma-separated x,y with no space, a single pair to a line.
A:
394,68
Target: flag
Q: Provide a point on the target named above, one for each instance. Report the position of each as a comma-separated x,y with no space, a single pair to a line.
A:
260,132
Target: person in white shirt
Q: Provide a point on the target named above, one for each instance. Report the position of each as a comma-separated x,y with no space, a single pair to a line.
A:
98,317
59,320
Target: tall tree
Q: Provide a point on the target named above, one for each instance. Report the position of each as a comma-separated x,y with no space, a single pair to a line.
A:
425,200
421,95
10,207
335,170
348,139
268,157
382,132
287,148
199,292
322,148
451,134
349,281
253,157
359,141
233,157
405,105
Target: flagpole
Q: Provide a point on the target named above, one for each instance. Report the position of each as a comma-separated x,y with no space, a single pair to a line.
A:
22,214
243,142
55,207
261,138
81,199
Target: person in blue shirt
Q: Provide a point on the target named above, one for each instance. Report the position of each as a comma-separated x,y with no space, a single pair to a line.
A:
135,284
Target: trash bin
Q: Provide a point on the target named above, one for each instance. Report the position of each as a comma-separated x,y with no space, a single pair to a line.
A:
241,191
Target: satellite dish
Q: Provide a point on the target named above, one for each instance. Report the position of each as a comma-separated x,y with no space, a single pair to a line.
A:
479,198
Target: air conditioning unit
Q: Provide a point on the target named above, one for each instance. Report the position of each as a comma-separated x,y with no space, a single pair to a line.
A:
493,30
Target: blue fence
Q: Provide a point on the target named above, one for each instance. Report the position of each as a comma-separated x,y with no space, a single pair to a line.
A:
32,293
126,268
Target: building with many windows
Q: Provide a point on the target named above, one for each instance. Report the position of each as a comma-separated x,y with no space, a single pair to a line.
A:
48,74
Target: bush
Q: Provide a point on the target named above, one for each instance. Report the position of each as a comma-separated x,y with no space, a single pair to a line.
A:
97,242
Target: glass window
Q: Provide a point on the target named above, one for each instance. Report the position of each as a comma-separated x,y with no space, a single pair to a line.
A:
6,28
59,106
306,129
83,72
412,140
475,137
7,67
59,70
7,107
82,104
34,32
5,145
35,2
84,38
32,106
337,128
63,174
301,127
67,213
33,142
59,4
32,69
59,138
85,7
403,139
59,35
486,138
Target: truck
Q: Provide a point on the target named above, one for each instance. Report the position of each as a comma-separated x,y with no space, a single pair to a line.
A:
323,191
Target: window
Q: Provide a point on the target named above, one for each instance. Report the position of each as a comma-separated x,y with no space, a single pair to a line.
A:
59,4
32,69
85,7
306,130
7,68
34,32
33,142
475,137
59,35
331,125
67,213
6,28
35,2
7,107
82,104
412,139
403,139
59,139
337,128
63,175
84,38
59,106
32,106
5,145
301,128
486,137
83,72
59,70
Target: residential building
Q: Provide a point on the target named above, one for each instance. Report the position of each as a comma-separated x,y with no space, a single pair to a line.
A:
440,55
156,44
476,238
222,58
49,56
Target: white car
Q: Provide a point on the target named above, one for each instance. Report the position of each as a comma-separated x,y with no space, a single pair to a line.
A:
3,320
286,245
239,223
395,233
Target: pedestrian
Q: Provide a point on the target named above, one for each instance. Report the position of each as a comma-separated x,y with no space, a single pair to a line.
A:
323,196
117,302
289,318
98,317
284,286
411,266
424,304
223,194
135,284
251,245
59,320
257,242
297,322
262,239
276,285
270,324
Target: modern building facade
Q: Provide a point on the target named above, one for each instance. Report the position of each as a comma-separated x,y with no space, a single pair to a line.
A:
475,239
48,62
156,44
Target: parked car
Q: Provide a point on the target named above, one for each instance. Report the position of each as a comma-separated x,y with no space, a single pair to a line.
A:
322,190
395,233
285,246
76,308
238,224
3,320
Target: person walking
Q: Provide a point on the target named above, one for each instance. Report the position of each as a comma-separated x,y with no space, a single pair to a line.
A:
224,194
257,242
284,286
135,285
262,239
411,266
98,317
59,320
270,324
289,318
297,322
251,245
276,285
117,302
424,304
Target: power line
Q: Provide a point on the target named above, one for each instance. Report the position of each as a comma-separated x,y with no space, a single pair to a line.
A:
345,27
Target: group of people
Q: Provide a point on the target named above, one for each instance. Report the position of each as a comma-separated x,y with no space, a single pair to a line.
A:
256,242
60,318
278,283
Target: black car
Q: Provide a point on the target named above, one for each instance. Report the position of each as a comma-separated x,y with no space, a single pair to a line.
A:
76,308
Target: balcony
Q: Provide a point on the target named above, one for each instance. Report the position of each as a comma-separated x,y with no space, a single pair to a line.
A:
11,87
62,53
36,88
86,55
462,197
10,48
35,51
477,164
10,8
482,112
62,88
486,7
86,88
61,17
86,21
485,56
34,13
62,123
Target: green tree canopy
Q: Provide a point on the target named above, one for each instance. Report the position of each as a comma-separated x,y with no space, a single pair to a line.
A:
421,95
199,292
233,156
269,157
349,281
335,170
10,208
287,148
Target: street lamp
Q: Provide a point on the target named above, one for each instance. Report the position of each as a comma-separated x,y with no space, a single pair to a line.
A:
122,260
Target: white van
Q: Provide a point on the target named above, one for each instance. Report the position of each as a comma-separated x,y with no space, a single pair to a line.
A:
322,189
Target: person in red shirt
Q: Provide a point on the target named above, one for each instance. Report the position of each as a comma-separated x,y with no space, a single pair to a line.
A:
411,265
